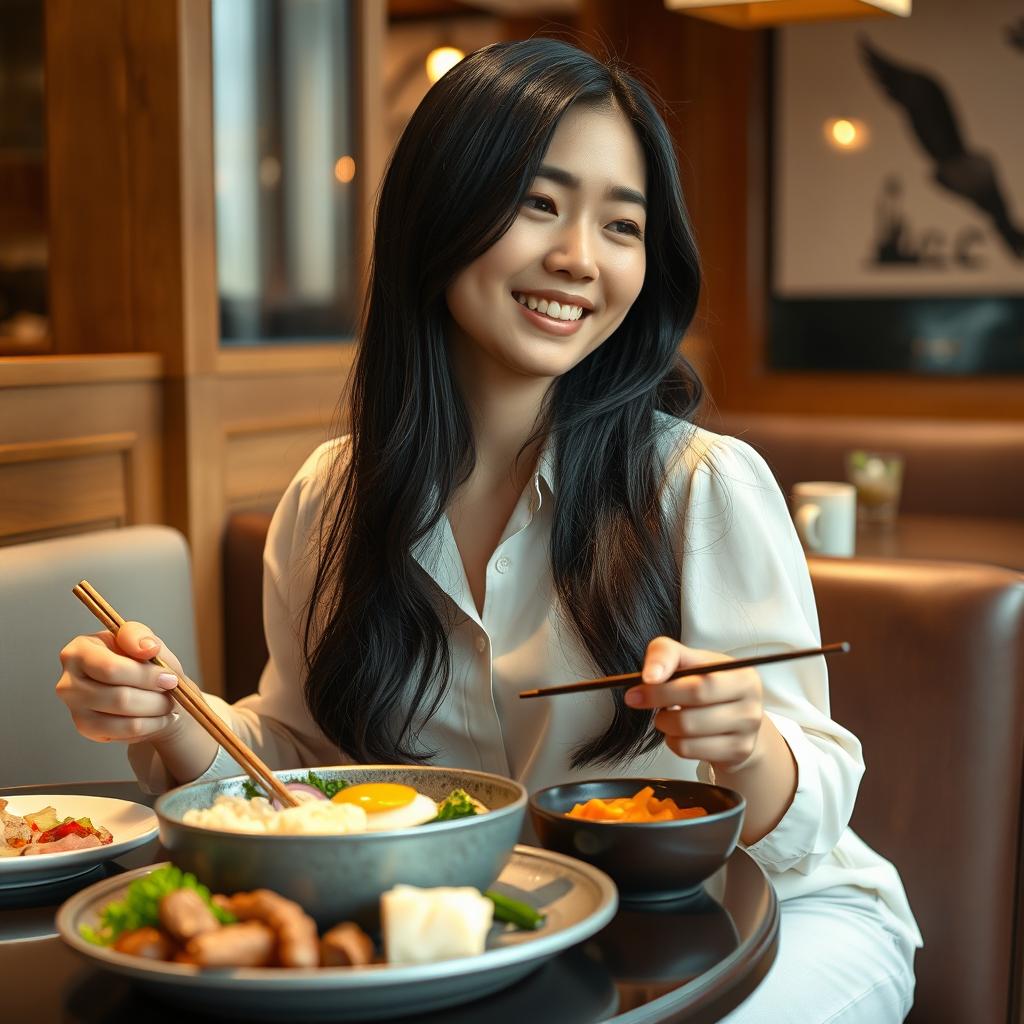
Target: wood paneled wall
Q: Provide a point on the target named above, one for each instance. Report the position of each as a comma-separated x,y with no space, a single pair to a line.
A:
144,417
80,444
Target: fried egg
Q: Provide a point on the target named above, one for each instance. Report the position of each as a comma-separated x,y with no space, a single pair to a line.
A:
388,805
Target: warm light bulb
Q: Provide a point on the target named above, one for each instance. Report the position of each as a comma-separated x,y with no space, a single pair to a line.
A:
345,169
441,60
845,133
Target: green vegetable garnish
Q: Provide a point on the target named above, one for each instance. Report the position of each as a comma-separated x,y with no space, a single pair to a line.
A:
326,786
250,789
140,907
515,912
458,804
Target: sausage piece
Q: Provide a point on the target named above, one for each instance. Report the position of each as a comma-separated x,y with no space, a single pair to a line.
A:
184,915
150,943
297,941
249,944
346,945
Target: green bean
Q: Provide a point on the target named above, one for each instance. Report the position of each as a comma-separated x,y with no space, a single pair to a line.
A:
515,912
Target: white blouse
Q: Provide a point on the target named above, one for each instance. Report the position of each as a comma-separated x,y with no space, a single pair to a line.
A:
746,590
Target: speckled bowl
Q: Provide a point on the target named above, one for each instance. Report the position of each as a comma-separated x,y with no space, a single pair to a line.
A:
659,860
339,878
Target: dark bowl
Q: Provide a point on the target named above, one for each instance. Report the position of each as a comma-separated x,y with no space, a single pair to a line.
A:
658,860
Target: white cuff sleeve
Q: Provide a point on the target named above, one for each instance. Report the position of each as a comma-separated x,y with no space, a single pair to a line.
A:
812,825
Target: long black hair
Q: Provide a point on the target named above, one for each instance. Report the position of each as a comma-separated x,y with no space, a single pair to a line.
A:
376,631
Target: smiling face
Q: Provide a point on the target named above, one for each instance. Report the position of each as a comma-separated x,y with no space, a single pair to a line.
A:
562,278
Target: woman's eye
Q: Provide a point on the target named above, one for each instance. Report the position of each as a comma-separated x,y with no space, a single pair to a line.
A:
626,227
539,203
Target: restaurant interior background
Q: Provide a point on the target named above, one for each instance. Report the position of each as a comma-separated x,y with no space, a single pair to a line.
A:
186,194
186,190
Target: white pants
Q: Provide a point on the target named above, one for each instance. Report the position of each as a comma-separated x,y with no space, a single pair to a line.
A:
842,959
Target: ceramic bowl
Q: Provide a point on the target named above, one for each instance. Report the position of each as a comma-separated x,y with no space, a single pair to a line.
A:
658,860
341,877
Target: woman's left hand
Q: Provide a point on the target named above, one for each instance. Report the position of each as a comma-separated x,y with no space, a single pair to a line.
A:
715,718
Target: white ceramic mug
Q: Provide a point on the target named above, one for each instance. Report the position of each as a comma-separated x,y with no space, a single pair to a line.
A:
825,514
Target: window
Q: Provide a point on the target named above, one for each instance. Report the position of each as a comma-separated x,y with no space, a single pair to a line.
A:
284,170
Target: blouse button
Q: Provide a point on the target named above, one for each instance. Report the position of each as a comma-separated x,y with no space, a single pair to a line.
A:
503,564
481,643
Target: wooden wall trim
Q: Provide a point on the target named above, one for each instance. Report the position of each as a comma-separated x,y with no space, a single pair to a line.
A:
59,371
67,448
198,214
271,425
370,24
282,360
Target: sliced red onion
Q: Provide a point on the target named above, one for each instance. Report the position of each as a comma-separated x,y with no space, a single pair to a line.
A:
299,787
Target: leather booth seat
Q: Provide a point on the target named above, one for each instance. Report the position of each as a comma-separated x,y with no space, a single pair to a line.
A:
934,688
951,467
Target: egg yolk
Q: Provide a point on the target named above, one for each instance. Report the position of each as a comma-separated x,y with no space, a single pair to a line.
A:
375,797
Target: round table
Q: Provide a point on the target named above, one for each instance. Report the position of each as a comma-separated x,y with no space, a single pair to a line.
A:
691,960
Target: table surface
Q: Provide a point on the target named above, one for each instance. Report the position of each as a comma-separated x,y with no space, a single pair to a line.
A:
955,538
690,960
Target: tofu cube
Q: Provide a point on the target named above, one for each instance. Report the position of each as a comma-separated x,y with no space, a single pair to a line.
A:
426,925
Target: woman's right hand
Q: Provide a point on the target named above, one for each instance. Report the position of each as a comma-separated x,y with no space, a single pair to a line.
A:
112,691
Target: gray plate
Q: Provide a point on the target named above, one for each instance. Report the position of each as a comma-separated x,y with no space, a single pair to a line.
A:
578,900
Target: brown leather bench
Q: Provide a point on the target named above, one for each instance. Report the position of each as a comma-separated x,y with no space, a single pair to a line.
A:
951,467
934,688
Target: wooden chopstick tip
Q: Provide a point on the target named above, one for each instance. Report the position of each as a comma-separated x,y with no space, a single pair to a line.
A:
629,678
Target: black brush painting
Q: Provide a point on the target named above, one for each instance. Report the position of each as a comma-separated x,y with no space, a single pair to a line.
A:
938,333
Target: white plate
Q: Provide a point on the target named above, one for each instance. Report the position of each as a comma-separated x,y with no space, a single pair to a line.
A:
578,900
129,823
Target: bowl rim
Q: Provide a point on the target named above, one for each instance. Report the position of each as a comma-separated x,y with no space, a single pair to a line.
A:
516,805
739,807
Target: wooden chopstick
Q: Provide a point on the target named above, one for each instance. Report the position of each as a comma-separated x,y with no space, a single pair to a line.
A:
190,697
629,678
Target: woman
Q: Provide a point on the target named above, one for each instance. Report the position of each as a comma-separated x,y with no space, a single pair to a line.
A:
522,501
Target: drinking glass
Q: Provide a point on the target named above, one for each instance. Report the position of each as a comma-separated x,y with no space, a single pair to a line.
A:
878,477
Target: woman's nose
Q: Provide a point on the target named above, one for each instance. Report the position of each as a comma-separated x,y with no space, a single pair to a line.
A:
573,254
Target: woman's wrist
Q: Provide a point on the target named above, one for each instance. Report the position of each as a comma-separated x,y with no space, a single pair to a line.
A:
767,779
185,748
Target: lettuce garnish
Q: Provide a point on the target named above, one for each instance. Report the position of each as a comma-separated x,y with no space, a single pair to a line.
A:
326,786
140,907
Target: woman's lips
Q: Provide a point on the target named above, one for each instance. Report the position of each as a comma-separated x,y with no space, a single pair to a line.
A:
546,323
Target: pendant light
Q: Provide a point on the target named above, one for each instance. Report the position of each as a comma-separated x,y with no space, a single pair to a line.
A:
771,13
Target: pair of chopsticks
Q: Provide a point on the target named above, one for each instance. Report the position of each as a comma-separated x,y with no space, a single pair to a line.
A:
629,678
190,697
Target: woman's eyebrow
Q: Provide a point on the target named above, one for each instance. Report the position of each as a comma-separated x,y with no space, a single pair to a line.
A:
620,192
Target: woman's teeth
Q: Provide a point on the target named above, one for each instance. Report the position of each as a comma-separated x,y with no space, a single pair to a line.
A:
555,310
